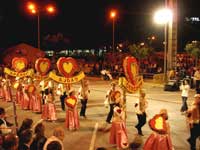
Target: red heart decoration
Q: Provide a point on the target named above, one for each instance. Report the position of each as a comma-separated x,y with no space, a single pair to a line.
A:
19,63
119,111
42,65
131,69
158,124
71,101
67,66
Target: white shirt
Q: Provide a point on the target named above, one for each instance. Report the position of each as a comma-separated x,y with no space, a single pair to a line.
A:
185,90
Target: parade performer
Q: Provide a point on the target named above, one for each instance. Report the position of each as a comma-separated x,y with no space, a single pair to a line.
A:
61,92
110,100
141,106
83,95
160,138
185,88
193,115
72,118
19,92
25,102
2,95
118,132
42,85
7,88
49,108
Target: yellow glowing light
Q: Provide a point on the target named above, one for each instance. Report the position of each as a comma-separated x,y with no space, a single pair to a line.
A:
50,9
112,14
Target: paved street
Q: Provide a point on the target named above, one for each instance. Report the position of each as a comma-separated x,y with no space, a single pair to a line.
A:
88,137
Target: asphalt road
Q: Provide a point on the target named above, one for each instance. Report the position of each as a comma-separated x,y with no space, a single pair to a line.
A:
89,136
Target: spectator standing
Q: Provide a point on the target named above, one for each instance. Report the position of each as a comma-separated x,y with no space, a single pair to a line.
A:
184,94
25,139
10,142
4,124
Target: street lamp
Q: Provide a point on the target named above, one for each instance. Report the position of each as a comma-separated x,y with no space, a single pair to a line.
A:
164,16
36,9
113,16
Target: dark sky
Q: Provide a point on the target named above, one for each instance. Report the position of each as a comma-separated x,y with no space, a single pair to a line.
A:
87,23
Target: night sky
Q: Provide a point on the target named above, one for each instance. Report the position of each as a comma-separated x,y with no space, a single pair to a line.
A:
87,24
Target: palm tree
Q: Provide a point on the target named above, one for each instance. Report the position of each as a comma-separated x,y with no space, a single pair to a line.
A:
193,49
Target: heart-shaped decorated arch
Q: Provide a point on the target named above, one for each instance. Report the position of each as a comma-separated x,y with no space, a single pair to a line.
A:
67,66
131,69
19,63
42,65
158,124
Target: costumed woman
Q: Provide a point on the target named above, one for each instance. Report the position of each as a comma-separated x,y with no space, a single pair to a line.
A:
25,102
118,132
19,92
72,118
7,88
49,108
160,139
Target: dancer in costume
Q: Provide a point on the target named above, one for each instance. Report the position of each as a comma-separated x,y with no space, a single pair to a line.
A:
193,115
118,132
2,95
160,139
72,118
19,90
83,95
25,102
49,108
111,101
7,88
141,106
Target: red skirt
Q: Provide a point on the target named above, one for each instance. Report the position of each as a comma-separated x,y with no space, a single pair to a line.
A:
118,134
72,119
158,142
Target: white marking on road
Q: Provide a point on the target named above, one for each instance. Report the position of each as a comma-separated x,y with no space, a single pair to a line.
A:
93,137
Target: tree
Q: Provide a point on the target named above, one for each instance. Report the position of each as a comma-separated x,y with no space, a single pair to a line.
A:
193,49
140,51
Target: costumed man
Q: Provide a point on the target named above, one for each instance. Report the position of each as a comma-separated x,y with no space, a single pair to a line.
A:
193,115
118,132
111,101
83,94
141,106
61,91
160,139
72,118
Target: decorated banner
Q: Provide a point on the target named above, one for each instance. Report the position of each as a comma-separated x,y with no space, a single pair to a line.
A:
131,69
61,79
19,63
42,65
67,66
71,101
29,72
131,88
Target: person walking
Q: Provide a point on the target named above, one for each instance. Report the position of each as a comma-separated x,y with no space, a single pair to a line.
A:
184,94
111,101
83,95
141,106
197,79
